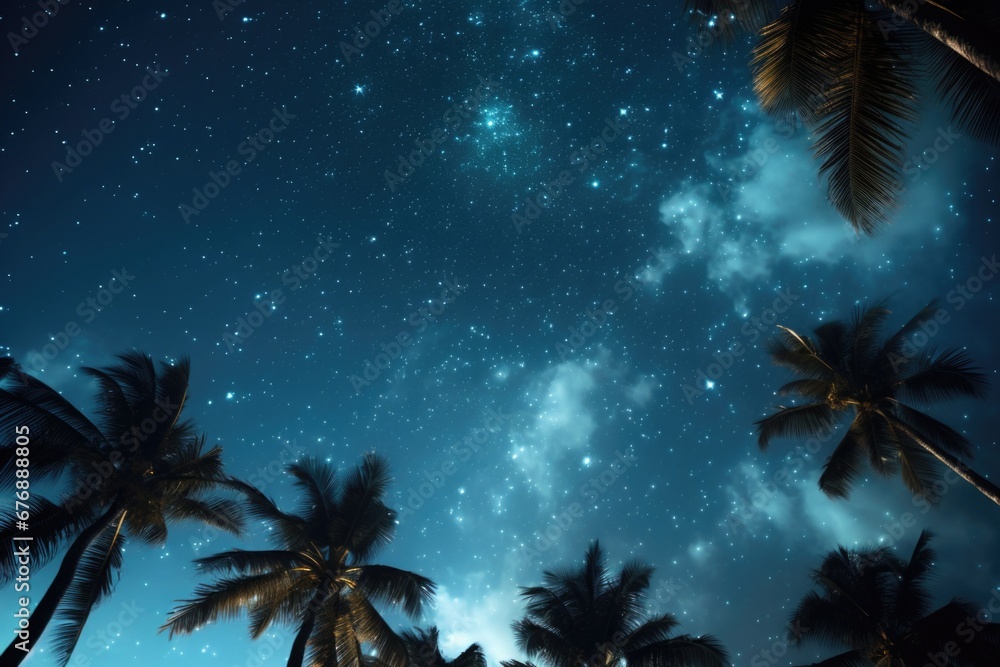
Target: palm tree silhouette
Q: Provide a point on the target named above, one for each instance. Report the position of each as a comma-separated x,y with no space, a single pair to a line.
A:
850,72
422,647
847,369
318,578
876,607
590,617
138,469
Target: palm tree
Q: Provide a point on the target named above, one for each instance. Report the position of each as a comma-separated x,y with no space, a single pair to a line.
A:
422,647
851,71
848,370
589,617
130,474
876,608
318,577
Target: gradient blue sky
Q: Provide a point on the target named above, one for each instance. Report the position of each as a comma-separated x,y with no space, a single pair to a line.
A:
669,222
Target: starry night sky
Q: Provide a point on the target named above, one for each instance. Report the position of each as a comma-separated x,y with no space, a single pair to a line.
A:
699,216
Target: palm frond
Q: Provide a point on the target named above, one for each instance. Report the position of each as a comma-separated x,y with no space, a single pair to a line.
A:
867,323
221,513
334,641
844,467
801,355
407,590
934,431
550,646
895,344
816,390
289,530
919,468
249,562
370,628
831,623
797,421
791,63
360,504
875,437
318,482
862,123
653,630
62,439
913,599
224,599
831,338
936,378
52,525
622,601
704,651
470,657
93,581
972,95
848,659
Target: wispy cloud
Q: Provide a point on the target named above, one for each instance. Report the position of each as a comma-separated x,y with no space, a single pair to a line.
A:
742,227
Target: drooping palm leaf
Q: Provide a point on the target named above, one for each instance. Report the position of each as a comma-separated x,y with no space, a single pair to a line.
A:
863,124
388,584
794,422
936,378
95,580
792,62
845,466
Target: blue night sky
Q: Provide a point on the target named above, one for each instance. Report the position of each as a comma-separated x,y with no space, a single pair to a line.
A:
330,309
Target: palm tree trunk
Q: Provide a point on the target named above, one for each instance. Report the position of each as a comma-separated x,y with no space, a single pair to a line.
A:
298,653
985,486
46,609
963,37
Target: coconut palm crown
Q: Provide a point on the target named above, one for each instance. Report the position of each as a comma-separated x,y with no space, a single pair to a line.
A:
318,578
847,369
